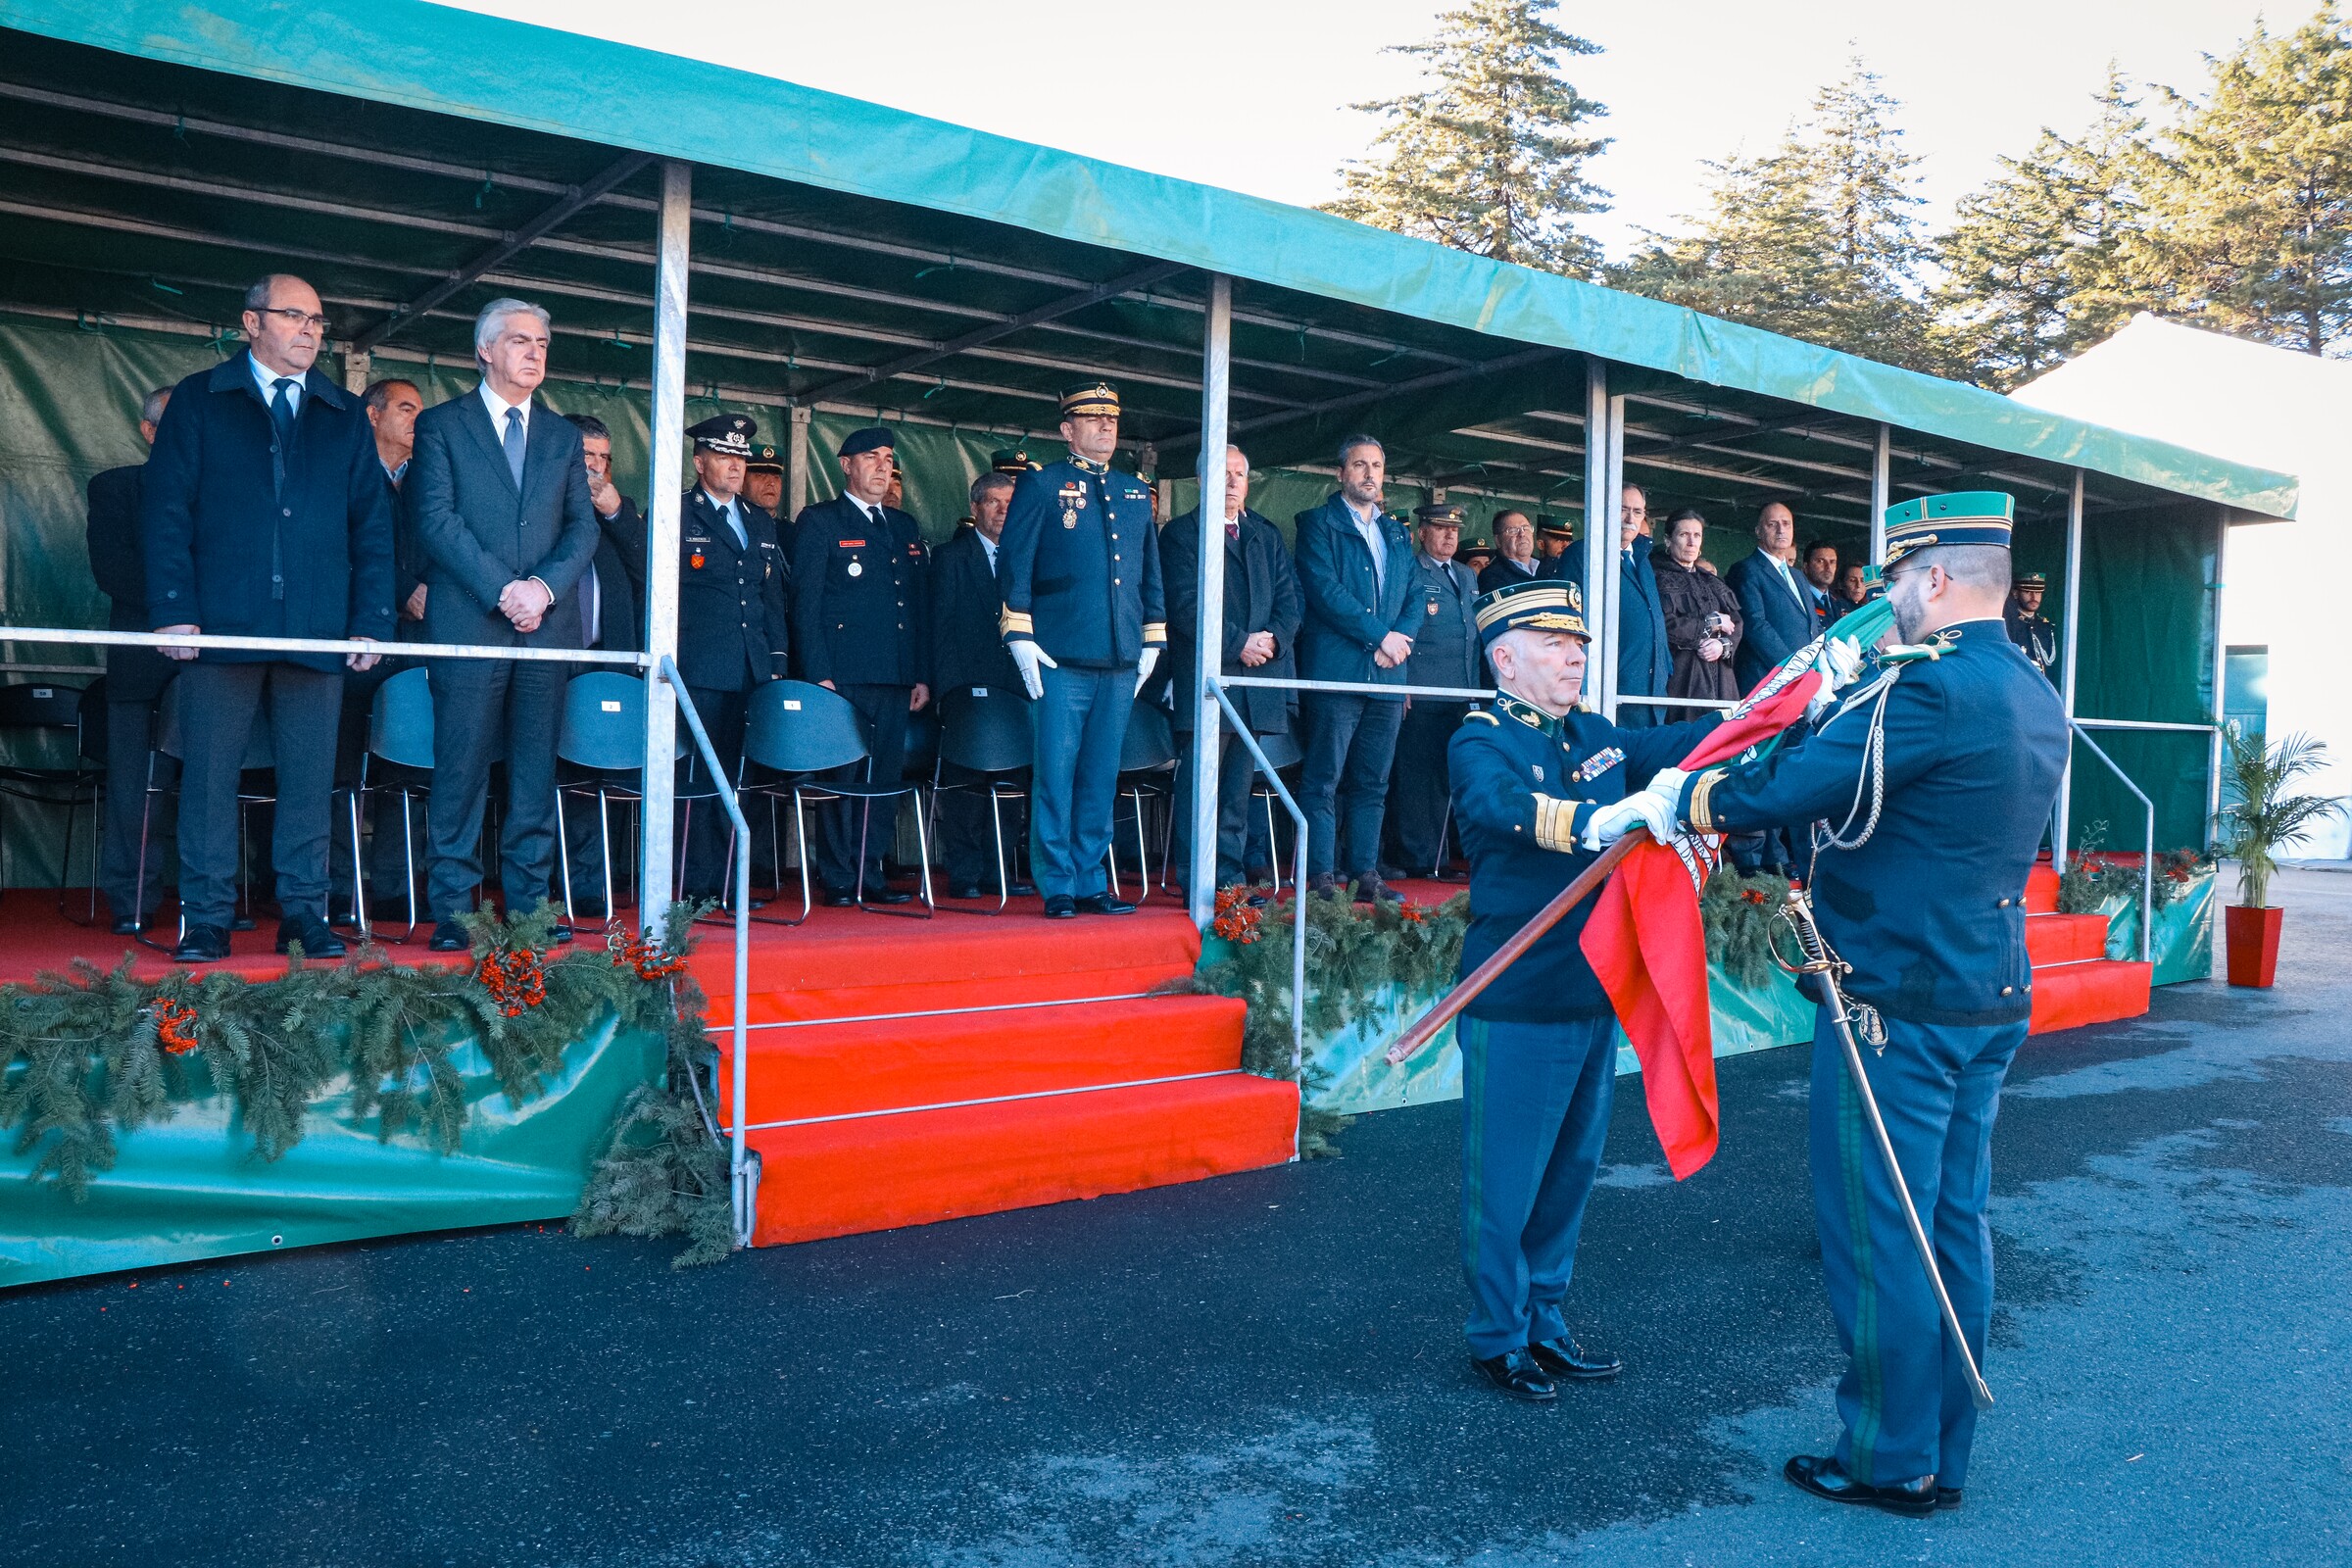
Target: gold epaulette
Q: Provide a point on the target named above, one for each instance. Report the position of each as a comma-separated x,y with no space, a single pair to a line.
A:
1481,717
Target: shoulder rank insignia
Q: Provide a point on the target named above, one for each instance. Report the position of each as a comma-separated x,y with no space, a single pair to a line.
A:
1599,762
1480,715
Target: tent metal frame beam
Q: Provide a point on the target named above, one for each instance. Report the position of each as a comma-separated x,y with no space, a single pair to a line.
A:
1421,383
412,164
512,245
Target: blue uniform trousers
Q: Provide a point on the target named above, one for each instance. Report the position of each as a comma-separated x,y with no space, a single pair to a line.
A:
1906,1398
1081,729
1535,1114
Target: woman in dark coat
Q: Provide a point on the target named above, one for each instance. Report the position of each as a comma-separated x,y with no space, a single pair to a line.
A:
1702,614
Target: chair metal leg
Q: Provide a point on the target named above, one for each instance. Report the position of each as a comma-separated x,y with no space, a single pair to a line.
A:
1142,850
563,854
408,838
604,839
359,880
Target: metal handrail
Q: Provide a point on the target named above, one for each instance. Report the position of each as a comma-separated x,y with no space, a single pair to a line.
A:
1298,895
385,648
2146,724
2147,862
1459,694
743,1180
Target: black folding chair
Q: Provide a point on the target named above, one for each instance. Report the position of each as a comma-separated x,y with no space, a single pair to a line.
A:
989,735
399,738
795,730
1147,770
1283,751
39,708
601,755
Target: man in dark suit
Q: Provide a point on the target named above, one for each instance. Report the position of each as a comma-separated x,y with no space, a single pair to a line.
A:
1644,660
733,625
1446,653
1263,612
967,651
1515,558
499,490
135,679
1820,559
1775,614
1356,574
1776,619
264,513
862,611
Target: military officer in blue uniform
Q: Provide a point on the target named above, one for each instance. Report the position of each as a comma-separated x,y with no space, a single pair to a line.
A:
1085,622
1925,788
1446,653
861,611
732,622
1539,787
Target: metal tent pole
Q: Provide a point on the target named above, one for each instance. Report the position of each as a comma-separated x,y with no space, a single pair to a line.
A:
796,476
1601,508
2063,825
1881,495
1208,641
2220,672
661,540
1606,590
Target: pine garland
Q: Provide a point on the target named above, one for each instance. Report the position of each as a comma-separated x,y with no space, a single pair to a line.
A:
1737,912
89,1056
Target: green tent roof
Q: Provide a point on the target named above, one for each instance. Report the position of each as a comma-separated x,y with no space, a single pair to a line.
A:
849,253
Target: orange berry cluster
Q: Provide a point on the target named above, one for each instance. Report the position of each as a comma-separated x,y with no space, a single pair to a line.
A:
176,1026
1236,920
515,980
1413,912
641,952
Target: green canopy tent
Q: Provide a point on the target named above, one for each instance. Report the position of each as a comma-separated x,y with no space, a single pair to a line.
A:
708,238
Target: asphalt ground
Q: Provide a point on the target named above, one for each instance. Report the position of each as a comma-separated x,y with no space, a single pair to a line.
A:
1268,1368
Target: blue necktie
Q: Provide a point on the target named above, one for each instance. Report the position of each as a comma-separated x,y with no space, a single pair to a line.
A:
281,410
515,444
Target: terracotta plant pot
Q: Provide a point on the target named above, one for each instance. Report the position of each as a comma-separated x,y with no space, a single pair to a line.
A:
2253,944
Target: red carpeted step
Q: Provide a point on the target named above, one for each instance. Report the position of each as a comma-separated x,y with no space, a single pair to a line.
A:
827,1069
2065,938
843,949
2069,995
2042,889
917,993
881,1172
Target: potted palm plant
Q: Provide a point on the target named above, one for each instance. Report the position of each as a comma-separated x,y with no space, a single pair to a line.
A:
2257,820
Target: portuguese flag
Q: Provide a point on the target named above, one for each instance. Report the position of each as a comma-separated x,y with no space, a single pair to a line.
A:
1645,939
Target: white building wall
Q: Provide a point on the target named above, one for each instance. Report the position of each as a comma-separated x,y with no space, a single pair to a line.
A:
2288,585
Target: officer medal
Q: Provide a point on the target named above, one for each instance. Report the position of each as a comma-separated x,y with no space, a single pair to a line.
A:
695,561
856,570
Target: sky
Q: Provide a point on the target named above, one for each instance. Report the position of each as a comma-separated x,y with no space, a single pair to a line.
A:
1254,95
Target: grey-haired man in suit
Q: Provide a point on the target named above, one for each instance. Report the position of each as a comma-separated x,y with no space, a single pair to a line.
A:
500,498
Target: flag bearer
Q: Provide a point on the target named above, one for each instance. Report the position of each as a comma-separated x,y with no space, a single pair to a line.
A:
1940,772
1539,788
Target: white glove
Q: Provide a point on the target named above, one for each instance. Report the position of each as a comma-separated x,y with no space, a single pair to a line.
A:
1642,808
1143,671
1839,663
1028,655
1667,783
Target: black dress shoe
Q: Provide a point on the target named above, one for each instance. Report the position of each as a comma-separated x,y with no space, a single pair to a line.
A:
1824,1478
1103,904
560,937
1564,1357
125,926
839,899
200,944
969,890
1371,889
1323,885
1947,1497
241,923
1516,1374
888,895
1060,906
1021,890
318,939
448,937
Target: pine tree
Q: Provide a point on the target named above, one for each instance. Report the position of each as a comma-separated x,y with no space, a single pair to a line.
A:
2036,266
1818,238
1490,157
2251,219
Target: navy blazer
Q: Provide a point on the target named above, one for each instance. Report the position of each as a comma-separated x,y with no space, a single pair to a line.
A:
234,549
1348,608
1644,659
967,608
481,533
1525,785
1261,593
1931,909
1773,622
861,596
132,675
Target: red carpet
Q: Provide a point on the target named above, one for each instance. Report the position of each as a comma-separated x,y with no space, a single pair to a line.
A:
2075,982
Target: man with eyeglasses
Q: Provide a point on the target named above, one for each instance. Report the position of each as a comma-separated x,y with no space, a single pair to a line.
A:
265,515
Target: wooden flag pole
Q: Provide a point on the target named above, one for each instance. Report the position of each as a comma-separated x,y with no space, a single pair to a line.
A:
1426,1027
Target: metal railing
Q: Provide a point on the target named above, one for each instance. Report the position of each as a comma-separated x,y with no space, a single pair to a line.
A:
1458,694
2147,862
743,1169
1299,891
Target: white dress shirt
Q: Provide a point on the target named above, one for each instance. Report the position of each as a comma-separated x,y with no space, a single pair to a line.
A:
497,407
267,379
1367,524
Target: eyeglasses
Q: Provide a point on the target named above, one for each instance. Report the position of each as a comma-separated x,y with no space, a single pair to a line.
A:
316,324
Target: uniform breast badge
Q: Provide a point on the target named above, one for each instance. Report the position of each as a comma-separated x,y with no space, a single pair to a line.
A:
856,570
1597,763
